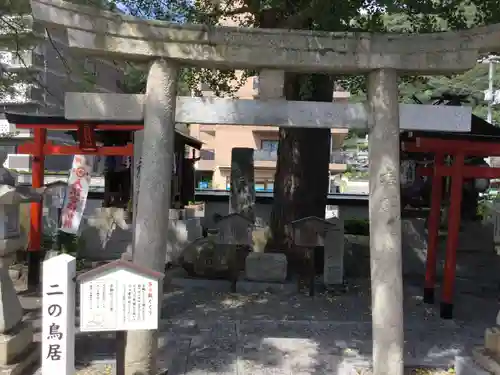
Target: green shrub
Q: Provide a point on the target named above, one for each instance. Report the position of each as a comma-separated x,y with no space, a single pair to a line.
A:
357,227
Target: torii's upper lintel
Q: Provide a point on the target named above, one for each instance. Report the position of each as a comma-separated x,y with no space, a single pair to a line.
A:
114,35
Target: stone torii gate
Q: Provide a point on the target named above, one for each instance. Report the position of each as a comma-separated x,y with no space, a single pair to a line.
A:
381,56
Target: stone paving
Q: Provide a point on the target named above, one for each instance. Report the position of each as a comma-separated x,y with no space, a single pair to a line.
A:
204,332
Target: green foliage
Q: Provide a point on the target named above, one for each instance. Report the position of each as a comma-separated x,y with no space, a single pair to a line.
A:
317,15
357,227
18,37
135,80
482,209
67,243
351,174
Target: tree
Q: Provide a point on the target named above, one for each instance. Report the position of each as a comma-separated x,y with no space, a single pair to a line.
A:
472,83
16,36
19,39
294,176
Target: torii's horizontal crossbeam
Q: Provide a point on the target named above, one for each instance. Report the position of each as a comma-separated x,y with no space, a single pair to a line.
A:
52,149
218,111
108,34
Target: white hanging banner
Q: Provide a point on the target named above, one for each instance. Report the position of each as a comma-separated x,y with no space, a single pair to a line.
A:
76,194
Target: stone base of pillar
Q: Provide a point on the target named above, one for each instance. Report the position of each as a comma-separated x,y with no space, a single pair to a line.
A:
18,352
9,246
488,356
486,360
26,362
15,342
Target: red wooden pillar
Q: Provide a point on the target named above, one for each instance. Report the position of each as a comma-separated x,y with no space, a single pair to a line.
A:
433,230
453,232
35,255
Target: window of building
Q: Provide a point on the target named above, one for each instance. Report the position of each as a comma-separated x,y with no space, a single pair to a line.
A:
260,186
207,154
269,145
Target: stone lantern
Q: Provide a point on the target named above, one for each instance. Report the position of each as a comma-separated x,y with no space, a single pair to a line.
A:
17,350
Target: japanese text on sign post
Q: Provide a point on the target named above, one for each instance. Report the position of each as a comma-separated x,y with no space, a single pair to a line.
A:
58,315
76,194
118,300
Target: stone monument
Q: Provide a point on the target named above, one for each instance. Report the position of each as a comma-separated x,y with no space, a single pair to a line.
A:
311,232
242,198
333,269
234,239
267,267
184,228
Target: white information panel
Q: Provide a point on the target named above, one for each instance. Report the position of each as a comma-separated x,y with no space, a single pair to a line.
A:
119,300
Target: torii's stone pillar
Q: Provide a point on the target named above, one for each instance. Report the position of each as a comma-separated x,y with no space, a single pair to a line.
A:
385,223
150,240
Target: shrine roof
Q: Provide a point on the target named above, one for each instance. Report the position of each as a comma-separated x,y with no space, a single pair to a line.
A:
62,123
481,131
119,264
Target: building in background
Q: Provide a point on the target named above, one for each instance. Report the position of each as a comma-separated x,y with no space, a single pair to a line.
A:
49,70
213,168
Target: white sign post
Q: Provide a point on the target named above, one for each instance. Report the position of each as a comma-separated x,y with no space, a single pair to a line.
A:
119,296
58,315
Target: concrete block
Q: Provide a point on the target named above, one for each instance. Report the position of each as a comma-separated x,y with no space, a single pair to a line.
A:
491,339
11,245
467,366
11,311
485,360
15,342
266,267
24,363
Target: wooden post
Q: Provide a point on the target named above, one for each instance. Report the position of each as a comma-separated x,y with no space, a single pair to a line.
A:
58,315
433,230
35,255
453,231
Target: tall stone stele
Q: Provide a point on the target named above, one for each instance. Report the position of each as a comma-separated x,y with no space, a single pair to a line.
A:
242,198
17,350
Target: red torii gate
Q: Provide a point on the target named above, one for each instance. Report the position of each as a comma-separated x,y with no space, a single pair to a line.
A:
458,149
87,145
41,147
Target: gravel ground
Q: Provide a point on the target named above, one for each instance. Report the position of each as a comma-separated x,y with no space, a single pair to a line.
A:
207,332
